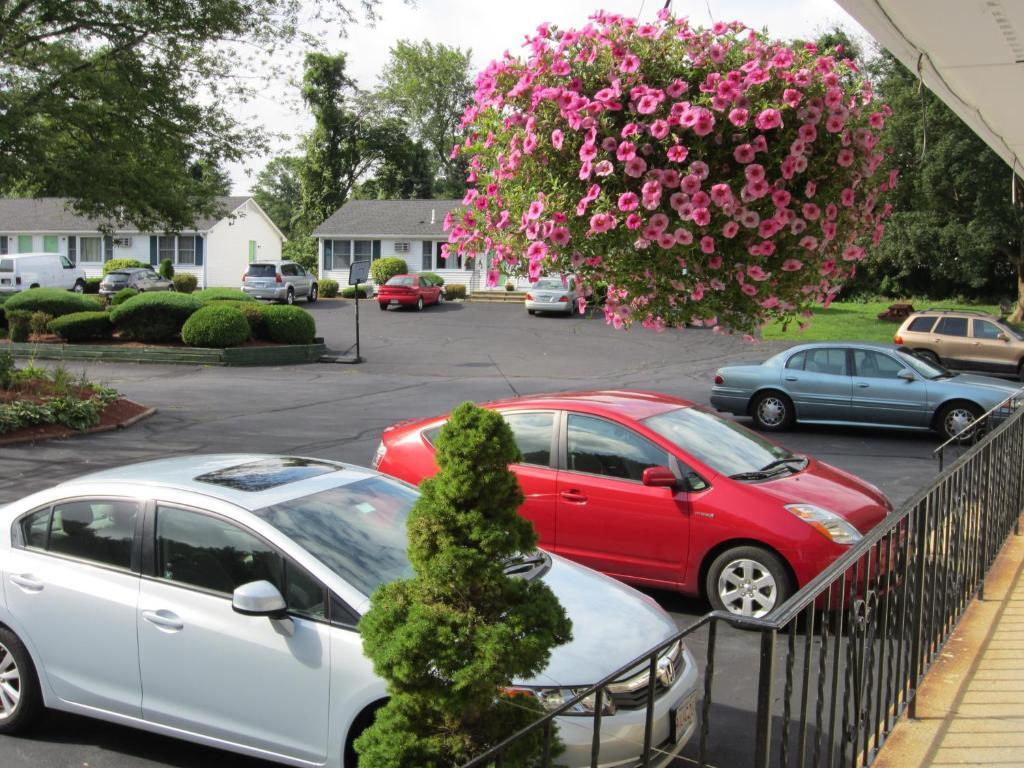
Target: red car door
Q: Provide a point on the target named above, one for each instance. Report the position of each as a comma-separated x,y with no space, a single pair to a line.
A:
606,517
535,435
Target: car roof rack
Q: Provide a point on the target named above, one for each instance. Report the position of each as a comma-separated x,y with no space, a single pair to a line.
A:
959,311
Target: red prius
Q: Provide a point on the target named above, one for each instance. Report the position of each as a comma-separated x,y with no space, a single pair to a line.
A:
657,491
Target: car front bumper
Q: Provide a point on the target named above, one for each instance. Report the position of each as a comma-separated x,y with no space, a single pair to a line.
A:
622,734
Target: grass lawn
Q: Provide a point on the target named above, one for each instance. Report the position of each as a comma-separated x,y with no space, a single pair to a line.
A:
855,321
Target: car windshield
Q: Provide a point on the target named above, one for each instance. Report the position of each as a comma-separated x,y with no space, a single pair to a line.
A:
550,284
923,367
6,265
356,530
262,270
400,281
1013,332
723,445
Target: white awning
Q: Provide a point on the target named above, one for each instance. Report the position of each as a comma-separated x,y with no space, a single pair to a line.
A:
969,52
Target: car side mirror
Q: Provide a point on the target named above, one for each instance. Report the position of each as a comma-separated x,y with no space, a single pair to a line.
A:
906,375
1002,337
659,477
259,598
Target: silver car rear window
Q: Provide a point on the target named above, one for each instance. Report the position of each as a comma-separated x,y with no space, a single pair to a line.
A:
262,270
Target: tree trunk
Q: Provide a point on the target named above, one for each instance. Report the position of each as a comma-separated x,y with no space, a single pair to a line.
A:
1018,314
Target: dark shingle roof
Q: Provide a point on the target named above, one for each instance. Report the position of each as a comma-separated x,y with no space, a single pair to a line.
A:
53,214
388,217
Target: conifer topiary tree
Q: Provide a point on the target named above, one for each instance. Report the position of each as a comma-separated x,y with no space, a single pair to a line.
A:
450,639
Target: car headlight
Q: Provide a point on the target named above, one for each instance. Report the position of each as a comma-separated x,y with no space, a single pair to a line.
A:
826,522
552,698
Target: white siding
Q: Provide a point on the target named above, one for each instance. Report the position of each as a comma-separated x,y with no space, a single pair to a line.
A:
227,246
414,259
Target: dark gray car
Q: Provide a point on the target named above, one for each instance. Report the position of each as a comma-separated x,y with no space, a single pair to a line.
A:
861,384
142,279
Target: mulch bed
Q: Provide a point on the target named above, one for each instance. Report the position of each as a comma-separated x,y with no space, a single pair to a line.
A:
116,341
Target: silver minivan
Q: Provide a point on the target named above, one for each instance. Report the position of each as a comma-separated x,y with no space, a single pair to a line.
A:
217,599
283,281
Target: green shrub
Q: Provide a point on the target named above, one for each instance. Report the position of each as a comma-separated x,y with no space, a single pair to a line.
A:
304,251
37,323
154,317
185,283
82,326
122,296
433,276
383,270
52,301
222,294
166,269
349,292
216,325
328,288
253,313
113,264
19,323
92,284
6,370
455,292
289,324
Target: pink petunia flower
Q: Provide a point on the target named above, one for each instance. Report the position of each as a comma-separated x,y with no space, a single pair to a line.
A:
768,119
677,153
634,221
560,236
636,167
730,230
626,151
744,153
601,222
604,168
792,265
707,244
739,117
628,201
683,236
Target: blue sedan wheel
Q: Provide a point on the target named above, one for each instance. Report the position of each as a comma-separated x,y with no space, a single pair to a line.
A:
772,411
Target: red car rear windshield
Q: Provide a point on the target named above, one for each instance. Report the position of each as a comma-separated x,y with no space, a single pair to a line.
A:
401,281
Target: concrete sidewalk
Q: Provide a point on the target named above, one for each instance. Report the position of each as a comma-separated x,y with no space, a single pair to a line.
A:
971,704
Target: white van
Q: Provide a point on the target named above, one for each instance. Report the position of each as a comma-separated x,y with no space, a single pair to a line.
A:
20,271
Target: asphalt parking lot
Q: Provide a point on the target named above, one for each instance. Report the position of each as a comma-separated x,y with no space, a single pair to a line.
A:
417,364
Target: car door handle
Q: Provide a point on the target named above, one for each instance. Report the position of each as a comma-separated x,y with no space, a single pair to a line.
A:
574,496
792,378
862,385
27,582
164,620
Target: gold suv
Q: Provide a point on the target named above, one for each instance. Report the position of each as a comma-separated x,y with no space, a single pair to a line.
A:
969,340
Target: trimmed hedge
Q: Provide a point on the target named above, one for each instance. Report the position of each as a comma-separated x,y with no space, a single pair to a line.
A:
252,311
349,292
328,288
113,264
52,301
92,284
455,292
383,270
20,323
122,296
216,325
185,283
154,317
166,269
433,276
222,294
3,316
82,326
289,324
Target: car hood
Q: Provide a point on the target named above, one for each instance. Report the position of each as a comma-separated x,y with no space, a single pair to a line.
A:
823,485
611,624
996,387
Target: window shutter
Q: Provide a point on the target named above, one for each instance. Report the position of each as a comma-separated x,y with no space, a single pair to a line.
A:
199,250
425,263
108,248
376,250
73,249
153,258
252,251
3,244
328,254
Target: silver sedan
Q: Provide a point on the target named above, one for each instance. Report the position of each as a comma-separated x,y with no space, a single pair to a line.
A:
860,384
549,294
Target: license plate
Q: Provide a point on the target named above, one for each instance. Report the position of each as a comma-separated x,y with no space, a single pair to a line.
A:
394,302
683,717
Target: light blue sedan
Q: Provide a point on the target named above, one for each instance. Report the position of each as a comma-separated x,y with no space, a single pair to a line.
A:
860,384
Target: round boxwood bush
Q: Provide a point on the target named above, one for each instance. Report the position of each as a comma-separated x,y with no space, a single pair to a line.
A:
252,311
52,301
455,292
122,296
383,270
222,294
328,288
349,292
113,264
289,324
82,326
216,325
154,317
185,282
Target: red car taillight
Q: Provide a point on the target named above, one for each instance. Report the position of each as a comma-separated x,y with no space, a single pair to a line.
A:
529,297
563,299
719,379
17,280
897,339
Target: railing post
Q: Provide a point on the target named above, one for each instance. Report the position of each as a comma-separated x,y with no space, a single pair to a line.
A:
986,511
763,738
915,640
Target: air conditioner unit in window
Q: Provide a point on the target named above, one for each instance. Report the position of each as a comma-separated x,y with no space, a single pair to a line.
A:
401,247
122,242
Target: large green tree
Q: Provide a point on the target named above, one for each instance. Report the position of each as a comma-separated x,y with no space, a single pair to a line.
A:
954,227
406,173
428,87
114,102
279,192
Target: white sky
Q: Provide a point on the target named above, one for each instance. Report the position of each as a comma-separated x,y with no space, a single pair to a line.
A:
488,28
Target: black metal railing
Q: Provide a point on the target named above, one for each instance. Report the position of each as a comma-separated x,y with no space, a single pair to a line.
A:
971,434
842,659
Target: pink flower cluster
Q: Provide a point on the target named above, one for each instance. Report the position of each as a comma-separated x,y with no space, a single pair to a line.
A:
707,176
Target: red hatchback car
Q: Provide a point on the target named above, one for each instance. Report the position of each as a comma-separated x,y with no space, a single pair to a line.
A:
409,291
657,491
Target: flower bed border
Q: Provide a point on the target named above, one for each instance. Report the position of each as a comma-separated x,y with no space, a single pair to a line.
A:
292,354
14,438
